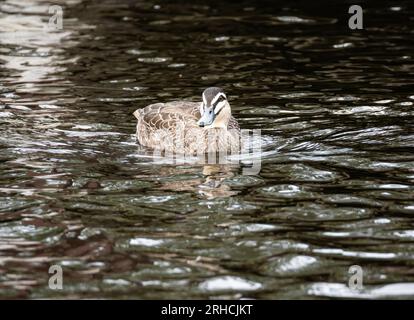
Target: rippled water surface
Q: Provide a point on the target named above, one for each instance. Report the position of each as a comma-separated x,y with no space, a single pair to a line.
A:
336,185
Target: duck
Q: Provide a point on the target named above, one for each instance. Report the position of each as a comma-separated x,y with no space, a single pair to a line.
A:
190,128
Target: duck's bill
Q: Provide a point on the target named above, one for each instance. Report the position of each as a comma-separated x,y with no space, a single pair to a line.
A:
207,117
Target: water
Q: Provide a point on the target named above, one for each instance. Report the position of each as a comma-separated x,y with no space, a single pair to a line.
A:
336,185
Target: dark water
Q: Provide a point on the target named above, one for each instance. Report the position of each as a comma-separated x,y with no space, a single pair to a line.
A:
336,186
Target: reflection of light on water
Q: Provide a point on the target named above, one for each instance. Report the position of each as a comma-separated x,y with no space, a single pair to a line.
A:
146,242
340,290
229,283
32,51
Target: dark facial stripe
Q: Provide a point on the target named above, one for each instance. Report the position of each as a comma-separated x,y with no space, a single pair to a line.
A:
218,100
215,105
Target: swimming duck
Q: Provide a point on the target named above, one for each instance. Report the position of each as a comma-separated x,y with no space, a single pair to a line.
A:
190,128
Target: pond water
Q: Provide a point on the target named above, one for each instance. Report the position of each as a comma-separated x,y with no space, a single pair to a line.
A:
336,181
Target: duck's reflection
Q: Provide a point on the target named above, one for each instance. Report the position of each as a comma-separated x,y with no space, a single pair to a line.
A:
209,185
213,186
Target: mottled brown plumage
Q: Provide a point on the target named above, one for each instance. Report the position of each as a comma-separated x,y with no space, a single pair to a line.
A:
172,127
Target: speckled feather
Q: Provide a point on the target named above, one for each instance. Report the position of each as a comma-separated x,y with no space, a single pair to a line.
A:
163,126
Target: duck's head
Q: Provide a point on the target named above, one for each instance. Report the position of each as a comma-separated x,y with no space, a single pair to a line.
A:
215,110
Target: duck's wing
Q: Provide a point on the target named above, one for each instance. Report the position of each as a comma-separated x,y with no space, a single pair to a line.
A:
191,110
158,123
185,108
168,115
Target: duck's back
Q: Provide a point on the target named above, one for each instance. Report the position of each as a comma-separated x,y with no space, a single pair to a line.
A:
156,119
174,110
